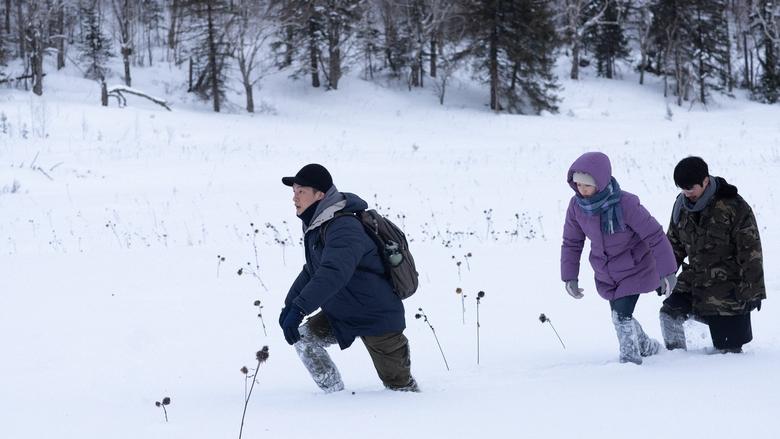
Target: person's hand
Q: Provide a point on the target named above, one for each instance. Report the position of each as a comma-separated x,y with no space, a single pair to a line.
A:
292,320
573,289
667,285
282,316
753,305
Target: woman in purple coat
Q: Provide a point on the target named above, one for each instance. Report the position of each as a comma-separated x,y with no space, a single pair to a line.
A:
630,253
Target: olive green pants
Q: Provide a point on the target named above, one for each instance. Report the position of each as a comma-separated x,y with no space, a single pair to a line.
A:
389,353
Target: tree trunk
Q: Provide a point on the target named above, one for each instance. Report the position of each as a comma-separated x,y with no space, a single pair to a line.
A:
421,65
288,46
493,65
61,39
642,65
432,68
212,56
149,46
315,72
37,63
20,26
172,29
103,94
702,82
7,28
335,68
189,89
250,100
746,54
126,52
575,59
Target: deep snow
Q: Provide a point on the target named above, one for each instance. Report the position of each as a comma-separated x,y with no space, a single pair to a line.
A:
112,295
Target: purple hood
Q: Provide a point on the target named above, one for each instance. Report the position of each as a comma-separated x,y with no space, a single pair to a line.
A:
596,164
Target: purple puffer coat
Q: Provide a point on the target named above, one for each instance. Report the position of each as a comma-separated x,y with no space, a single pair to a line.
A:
625,263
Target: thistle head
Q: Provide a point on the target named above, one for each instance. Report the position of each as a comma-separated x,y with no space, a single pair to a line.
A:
543,318
262,354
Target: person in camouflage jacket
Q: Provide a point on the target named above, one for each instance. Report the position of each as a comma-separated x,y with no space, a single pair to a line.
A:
723,279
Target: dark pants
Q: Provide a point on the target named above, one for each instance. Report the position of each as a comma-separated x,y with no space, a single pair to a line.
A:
389,352
624,307
727,332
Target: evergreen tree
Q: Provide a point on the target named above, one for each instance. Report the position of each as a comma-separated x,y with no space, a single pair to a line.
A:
512,45
691,37
300,38
639,20
340,18
95,45
709,45
317,33
766,31
209,48
368,36
606,39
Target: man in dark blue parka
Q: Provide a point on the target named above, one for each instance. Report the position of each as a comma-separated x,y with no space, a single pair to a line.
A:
343,277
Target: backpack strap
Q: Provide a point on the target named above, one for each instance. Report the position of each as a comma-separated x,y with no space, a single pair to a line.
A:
324,226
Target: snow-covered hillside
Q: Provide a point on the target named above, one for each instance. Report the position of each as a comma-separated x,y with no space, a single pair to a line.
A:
113,293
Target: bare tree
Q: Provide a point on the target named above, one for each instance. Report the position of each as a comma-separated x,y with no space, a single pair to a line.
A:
36,35
576,23
252,29
124,14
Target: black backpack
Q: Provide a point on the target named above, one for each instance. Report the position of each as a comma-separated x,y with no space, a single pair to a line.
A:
392,247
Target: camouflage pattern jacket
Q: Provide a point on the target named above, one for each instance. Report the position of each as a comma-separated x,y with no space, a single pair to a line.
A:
724,274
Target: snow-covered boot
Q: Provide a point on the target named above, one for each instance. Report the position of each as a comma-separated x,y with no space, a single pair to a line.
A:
411,387
673,331
627,338
311,350
647,346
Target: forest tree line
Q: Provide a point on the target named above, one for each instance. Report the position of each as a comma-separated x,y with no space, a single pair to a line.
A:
698,47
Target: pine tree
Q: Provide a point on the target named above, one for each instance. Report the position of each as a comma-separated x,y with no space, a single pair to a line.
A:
339,20
318,33
766,31
512,45
606,39
95,45
209,48
709,45
3,56
368,37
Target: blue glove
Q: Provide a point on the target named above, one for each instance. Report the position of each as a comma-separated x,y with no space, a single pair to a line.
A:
282,315
290,324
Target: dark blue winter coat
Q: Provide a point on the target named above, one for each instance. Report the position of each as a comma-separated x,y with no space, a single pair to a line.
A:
344,274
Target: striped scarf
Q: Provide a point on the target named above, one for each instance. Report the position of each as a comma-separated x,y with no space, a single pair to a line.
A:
606,204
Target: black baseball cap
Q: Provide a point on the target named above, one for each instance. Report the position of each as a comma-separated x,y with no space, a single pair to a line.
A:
312,175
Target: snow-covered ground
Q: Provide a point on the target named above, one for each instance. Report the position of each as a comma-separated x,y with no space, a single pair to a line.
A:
113,293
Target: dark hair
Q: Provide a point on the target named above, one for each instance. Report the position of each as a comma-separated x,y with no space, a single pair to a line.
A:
690,172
